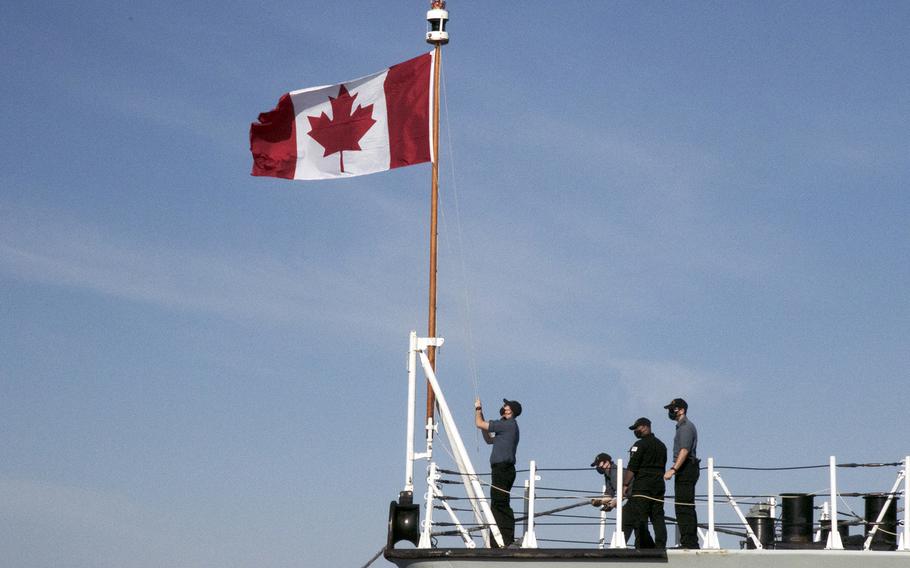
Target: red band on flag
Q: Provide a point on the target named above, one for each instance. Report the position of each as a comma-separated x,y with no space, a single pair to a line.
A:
273,141
407,92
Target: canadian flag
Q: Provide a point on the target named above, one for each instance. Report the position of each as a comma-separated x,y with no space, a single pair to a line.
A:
367,125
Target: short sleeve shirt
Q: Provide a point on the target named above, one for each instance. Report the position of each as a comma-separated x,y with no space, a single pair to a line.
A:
505,441
686,438
610,482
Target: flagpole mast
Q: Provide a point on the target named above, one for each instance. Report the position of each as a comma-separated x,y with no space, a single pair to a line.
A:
437,17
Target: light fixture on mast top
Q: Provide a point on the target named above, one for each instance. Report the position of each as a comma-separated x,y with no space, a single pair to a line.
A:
437,16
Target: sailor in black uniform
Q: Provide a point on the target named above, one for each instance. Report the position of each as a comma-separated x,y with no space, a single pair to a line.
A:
645,478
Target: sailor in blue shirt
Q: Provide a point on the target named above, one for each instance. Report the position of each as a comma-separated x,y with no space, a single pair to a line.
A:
685,469
503,434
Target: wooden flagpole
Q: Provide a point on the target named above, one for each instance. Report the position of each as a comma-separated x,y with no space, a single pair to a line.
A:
437,17
434,216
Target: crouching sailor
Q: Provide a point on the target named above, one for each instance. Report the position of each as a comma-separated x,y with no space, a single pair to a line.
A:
605,466
503,435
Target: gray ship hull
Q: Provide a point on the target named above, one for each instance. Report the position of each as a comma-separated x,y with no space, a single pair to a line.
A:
563,558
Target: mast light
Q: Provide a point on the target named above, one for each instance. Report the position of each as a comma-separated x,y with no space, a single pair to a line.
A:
437,16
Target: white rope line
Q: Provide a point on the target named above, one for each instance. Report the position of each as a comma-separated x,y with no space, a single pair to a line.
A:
847,505
469,337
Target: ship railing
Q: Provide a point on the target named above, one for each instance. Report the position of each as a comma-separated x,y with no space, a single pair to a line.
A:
709,537
829,523
485,521
718,492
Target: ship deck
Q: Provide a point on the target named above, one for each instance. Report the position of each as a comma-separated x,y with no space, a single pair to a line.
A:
564,557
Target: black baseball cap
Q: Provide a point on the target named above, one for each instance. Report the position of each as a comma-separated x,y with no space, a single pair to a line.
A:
601,457
678,403
514,405
640,422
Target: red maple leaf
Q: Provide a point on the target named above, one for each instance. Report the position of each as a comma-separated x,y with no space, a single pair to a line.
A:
345,129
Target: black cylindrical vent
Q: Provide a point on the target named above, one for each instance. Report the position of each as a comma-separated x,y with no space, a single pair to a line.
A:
886,536
763,527
796,517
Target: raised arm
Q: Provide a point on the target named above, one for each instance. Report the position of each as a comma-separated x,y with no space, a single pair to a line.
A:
478,417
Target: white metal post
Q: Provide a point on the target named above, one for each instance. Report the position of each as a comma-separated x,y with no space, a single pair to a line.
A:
905,536
619,537
412,397
834,540
434,492
527,499
482,512
425,540
710,541
530,537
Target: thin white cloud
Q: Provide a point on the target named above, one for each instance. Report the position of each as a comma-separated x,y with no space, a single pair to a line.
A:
649,382
55,250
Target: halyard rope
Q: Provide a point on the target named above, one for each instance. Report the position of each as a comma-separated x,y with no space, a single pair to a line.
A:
469,338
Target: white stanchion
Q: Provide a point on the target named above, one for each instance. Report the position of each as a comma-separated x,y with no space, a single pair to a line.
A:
834,540
710,541
619,539
530,538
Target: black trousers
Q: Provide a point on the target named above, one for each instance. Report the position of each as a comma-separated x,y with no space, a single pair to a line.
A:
503,479
641,507
686,515
631,524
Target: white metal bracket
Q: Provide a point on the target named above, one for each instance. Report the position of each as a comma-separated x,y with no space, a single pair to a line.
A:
434,491
710,538
425,535
483,514
424,342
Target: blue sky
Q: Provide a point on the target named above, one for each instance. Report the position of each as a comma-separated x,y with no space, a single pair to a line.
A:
640,201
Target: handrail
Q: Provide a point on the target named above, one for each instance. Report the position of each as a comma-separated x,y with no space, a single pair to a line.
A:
484,517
